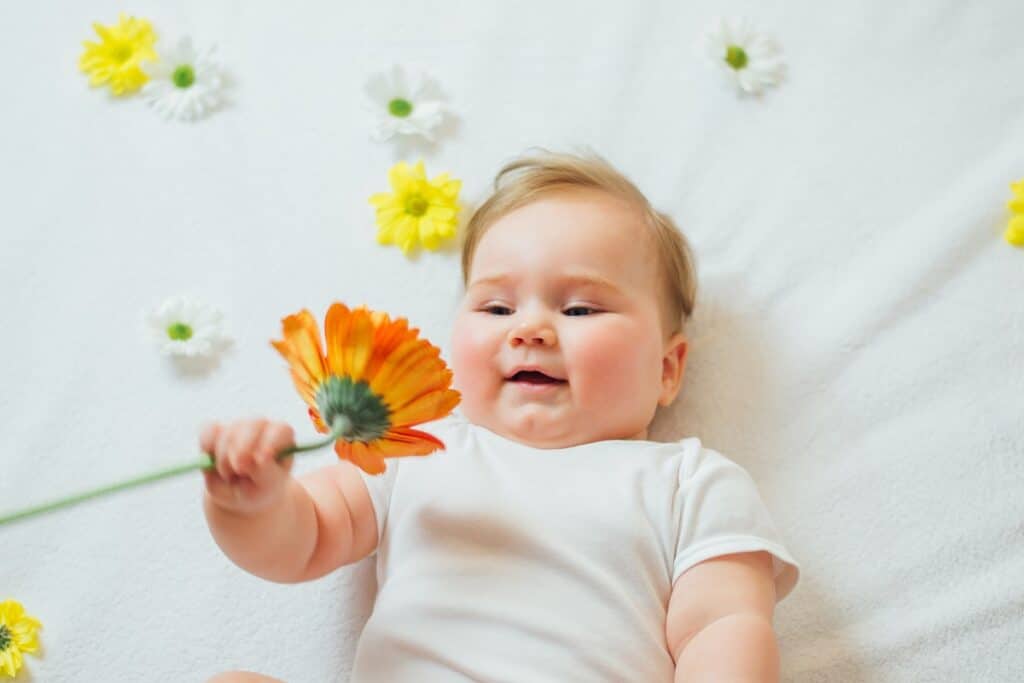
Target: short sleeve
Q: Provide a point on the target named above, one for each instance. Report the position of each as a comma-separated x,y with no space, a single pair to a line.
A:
721,512
380,487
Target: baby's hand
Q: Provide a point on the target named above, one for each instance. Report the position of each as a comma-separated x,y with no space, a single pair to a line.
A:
246,478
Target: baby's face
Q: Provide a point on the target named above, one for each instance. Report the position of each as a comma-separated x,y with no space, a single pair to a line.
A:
559,338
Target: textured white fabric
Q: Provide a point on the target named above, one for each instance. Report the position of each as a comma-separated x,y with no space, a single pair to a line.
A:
857,344
502,562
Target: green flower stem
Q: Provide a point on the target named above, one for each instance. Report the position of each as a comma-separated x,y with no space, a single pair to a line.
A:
341,424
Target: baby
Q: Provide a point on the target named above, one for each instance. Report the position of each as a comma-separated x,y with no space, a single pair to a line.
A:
551,540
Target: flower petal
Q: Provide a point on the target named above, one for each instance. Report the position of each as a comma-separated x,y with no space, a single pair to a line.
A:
404,442
301,346
359,455
428,407
359,348
318,421
336,324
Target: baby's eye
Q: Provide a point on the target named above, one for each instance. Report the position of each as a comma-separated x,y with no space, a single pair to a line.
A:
579,310
497,309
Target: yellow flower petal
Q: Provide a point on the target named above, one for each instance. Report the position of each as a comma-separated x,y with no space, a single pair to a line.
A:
7,665
418,211
1015,232
117,57
382,199
22,631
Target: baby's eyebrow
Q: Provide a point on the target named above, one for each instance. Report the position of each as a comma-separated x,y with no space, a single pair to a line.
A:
591,279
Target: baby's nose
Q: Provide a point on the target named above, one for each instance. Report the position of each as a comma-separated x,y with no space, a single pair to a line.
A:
532,334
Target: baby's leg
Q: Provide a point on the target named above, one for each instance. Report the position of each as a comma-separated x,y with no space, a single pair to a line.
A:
242,677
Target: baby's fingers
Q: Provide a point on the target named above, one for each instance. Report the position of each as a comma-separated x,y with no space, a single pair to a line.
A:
213,440
208,436
234,448
275,438
244,445
220,489
237,494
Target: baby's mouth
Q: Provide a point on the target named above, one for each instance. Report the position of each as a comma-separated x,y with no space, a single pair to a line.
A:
534,377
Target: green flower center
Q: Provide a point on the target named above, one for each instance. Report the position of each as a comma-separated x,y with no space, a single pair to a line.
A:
184,76
5,637
736,56
400,107
365,411
121,52
179,332
416,205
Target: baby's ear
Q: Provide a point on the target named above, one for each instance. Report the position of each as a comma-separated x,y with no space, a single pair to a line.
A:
672,365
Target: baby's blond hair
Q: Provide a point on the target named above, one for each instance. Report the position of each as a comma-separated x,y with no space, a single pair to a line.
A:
523,180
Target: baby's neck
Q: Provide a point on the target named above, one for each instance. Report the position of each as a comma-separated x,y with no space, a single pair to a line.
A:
562,441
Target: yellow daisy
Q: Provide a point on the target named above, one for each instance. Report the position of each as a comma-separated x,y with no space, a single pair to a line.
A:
376,380
17,635
1015,230
419,210
117,58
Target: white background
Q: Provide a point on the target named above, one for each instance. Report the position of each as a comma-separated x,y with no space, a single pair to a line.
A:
857,346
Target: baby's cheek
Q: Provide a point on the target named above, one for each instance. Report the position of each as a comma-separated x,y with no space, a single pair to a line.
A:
471,360
616,362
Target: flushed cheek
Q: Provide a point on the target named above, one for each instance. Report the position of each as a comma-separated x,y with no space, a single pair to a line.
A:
474,358
609,367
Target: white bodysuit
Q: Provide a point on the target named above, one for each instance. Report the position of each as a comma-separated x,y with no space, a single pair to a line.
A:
502,562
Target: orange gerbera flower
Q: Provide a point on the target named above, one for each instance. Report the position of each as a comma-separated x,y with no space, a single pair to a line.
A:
376,381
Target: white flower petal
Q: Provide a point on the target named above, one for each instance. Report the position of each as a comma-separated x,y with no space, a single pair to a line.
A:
762,49
744,32
399,86
749,81
410,128
764,66
184,50
383,129
208,335
426,89
418,89
191,103
378,88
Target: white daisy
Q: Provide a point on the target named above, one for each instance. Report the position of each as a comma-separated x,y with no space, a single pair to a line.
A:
403,104
750,59
183,84
184,326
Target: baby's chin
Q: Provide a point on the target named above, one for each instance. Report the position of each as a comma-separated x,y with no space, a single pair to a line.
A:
534,427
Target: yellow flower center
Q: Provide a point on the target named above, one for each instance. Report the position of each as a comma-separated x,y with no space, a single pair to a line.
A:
121,53
184,76
736,56
179,332
5,637
400,107
416,205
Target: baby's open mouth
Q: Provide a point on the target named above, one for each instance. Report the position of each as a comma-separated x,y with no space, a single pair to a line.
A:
534,377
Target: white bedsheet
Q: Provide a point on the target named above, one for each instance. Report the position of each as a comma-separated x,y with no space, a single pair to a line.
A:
858,343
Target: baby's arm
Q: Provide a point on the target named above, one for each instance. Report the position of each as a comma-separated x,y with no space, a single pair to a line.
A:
273,525
719,623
